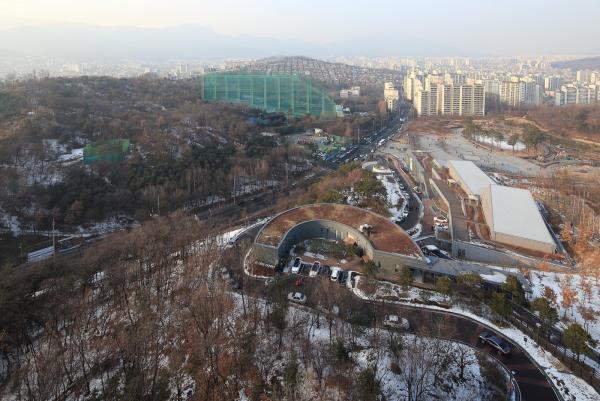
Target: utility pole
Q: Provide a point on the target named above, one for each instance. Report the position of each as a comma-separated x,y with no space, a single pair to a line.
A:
234,191
359,135
158,204
286,174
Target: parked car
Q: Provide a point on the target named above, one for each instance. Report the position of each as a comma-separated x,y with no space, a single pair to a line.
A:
297,297
335,273
296,266
441,220
315,269
396,322
501,346
439,226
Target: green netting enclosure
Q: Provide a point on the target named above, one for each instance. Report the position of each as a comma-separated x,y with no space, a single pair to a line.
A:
272,93
113,150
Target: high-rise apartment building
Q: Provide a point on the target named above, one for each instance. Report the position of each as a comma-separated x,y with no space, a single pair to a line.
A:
553,83
391,96
412,82
584,76
450,99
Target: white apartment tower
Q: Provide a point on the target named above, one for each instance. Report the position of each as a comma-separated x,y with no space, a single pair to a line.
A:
391,96
584,76
518,91
449,99
413,82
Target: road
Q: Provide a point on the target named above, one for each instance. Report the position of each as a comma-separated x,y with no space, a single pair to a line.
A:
532,382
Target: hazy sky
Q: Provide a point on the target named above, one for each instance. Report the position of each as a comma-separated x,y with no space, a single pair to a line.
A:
492,26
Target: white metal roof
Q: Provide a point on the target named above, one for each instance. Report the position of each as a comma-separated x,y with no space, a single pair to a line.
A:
515,212
471,175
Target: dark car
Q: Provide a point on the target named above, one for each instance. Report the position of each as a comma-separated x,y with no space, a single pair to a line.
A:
503,347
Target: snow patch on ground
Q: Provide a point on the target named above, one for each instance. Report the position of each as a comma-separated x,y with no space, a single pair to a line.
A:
503,144
576,282
495,277
74,155
394,196
9,222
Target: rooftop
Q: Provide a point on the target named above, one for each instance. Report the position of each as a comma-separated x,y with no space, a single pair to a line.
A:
515,212
385,236
471,175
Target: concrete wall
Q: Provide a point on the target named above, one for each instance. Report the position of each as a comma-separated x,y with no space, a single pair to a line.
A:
323,229
488,211
391,263
489,255
521,242
388,262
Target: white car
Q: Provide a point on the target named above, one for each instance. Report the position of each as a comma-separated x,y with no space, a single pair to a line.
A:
296,266
335,273
297,297
396,321
315,269
440,226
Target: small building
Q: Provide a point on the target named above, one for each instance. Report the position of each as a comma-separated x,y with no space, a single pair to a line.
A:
348,93
470,177
514,219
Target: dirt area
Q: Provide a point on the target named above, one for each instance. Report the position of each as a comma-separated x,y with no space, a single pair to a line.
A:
259,269
436,125
385,236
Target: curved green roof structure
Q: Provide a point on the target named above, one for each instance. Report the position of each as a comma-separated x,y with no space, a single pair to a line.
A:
272,93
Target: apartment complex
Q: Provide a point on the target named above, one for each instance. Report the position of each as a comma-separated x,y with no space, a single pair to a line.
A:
450,99
520,90
577,94
587,76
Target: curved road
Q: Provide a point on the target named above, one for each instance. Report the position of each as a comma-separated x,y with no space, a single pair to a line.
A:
533,383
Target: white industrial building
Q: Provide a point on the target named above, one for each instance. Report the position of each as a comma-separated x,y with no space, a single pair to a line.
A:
470,177
514,219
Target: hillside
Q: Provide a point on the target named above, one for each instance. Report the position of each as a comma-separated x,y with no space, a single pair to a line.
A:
159,139
327,72
589,63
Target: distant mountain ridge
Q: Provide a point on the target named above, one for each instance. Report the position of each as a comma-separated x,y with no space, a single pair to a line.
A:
588,63
90,42
83,42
